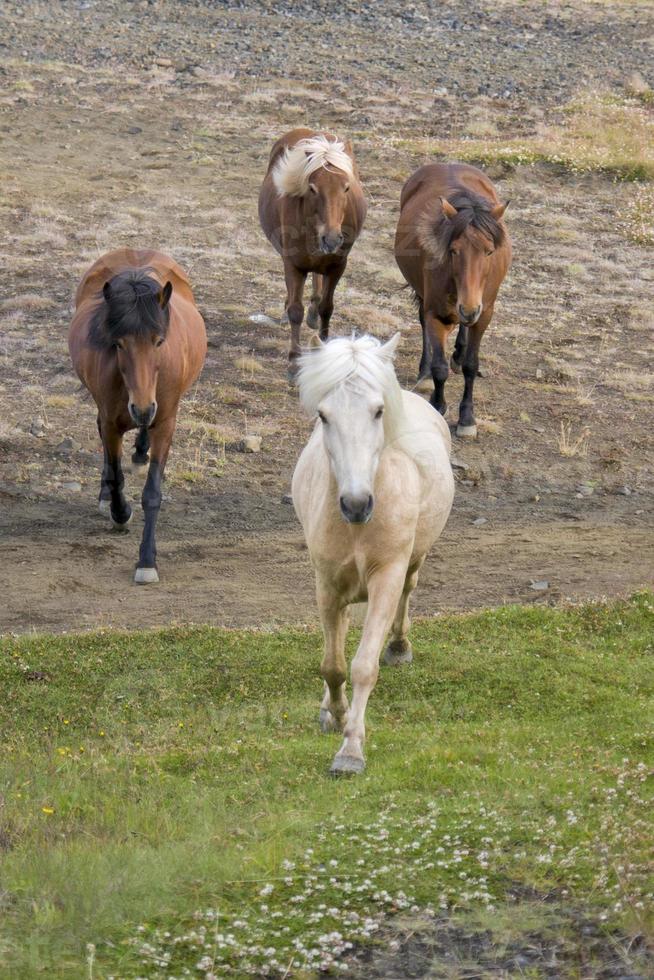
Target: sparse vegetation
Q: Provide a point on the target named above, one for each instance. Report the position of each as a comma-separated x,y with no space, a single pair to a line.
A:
571,444
600,132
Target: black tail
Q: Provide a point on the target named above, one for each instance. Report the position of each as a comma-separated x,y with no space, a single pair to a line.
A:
141,447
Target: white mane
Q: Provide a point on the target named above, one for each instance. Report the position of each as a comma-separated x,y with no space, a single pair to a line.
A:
297,163
348,360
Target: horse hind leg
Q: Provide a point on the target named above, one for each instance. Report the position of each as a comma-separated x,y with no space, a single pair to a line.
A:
459,348
316,292
141,448
398,650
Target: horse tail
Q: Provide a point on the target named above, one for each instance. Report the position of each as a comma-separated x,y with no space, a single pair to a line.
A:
141,447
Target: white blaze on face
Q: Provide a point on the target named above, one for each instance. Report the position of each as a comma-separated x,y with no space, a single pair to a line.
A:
353,433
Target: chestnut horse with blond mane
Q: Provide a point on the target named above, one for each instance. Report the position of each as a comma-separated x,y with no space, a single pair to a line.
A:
454,251
311,209
137,342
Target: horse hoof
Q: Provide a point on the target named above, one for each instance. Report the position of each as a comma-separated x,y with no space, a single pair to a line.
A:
466,431
327,721
347,765
398,653
139,460
117,526
455,366
312,318
146,576
105,508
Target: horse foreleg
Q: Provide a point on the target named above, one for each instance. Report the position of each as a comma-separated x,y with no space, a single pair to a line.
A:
295,280
113,480
425,359
437,333
161,436
334,618
316,293
467,426
384,591
398,651
326,307
104,499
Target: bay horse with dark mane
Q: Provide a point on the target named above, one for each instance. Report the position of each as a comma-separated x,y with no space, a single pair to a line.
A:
454,251
311,209
137,342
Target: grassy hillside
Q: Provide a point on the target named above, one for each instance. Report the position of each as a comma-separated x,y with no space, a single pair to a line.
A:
165,807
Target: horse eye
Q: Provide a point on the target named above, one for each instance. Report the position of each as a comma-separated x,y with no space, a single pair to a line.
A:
379,412
159,342
346,188
489,251
312,189
118,345
322,418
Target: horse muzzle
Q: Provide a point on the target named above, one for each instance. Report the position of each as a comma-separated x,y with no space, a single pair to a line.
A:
142,417
468,316
356,510
331,242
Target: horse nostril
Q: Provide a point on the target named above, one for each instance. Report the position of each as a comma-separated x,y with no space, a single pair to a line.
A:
356,510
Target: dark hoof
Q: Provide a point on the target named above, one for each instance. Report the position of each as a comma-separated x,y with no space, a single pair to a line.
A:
140,460
397,653
122,525
455,366
327,722
146,576
347,765
466,431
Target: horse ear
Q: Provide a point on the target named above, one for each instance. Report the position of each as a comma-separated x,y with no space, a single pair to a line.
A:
499,210
448,210
165,295
390,347
106,291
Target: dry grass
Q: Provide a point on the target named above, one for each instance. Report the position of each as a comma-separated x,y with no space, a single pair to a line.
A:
27,301
601,132
639,218
61,401
573,445
248,365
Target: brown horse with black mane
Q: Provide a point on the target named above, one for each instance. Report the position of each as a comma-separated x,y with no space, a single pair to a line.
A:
312,209
454,251
137,342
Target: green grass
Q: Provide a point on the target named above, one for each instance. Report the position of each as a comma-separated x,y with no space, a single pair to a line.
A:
164,795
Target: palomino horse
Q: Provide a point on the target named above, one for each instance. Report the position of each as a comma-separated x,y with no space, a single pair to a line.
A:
137,342
373,489
453,250
312,209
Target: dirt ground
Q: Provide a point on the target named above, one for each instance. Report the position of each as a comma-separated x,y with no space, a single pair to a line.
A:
149,124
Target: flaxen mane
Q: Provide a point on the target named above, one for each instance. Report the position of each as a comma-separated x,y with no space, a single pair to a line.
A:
295,166
129,306
360,361
437,232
